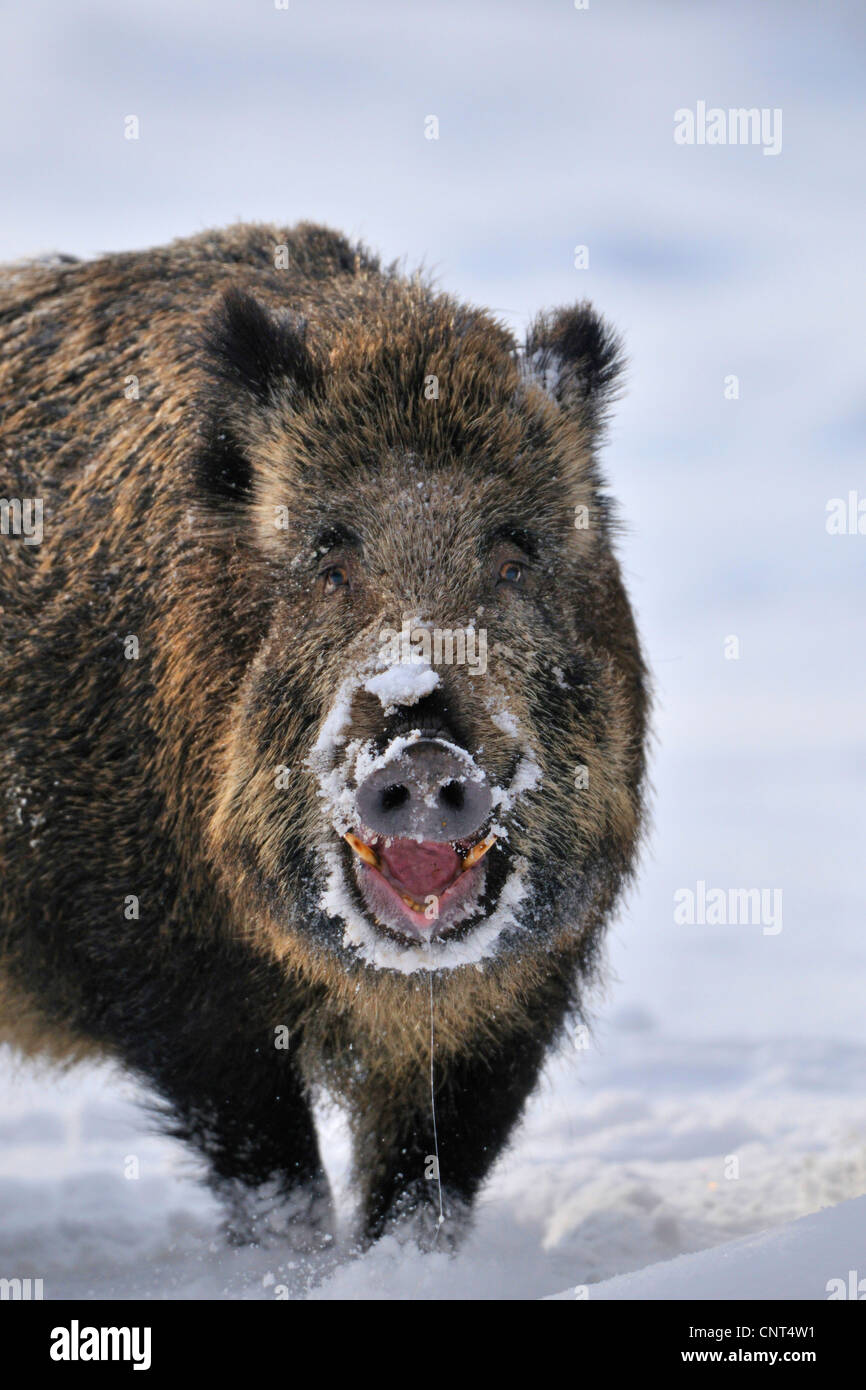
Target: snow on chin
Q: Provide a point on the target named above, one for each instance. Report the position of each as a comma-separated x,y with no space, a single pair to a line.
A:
384,954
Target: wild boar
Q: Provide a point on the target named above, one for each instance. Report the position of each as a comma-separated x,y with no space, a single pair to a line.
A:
324,709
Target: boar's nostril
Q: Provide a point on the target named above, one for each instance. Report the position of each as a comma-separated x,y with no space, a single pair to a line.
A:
434,798
452,795
394,796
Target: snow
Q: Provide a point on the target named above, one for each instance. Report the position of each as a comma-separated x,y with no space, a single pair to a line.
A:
504,719
368,760
333,730
527,775
403,683
617,1175
822,1256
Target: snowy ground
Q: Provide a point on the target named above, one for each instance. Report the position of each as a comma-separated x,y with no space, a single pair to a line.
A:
627,1158
750,1268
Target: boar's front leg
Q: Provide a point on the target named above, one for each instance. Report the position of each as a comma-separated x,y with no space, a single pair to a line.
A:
265,1166
240,1099
260,1143
478,1101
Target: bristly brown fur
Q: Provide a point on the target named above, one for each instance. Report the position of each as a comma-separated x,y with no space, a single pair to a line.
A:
164,405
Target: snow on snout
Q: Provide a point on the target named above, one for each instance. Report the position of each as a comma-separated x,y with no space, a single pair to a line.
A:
340,763
403,683
369,761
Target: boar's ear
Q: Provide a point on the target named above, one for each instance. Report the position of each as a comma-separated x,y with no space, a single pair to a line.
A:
256,349
253,356
575,357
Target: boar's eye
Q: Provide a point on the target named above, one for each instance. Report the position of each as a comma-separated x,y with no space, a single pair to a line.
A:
335,577
511,572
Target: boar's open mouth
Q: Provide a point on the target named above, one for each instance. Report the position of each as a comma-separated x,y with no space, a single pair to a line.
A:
423,856
422,889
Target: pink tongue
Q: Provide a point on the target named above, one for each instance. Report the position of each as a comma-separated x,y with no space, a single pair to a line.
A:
422,868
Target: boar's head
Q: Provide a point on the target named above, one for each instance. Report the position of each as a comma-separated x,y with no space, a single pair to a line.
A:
435,747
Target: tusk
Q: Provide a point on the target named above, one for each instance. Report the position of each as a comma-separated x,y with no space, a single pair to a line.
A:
478,851
363,851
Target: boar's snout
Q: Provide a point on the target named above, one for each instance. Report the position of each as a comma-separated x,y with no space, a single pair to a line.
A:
429,793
